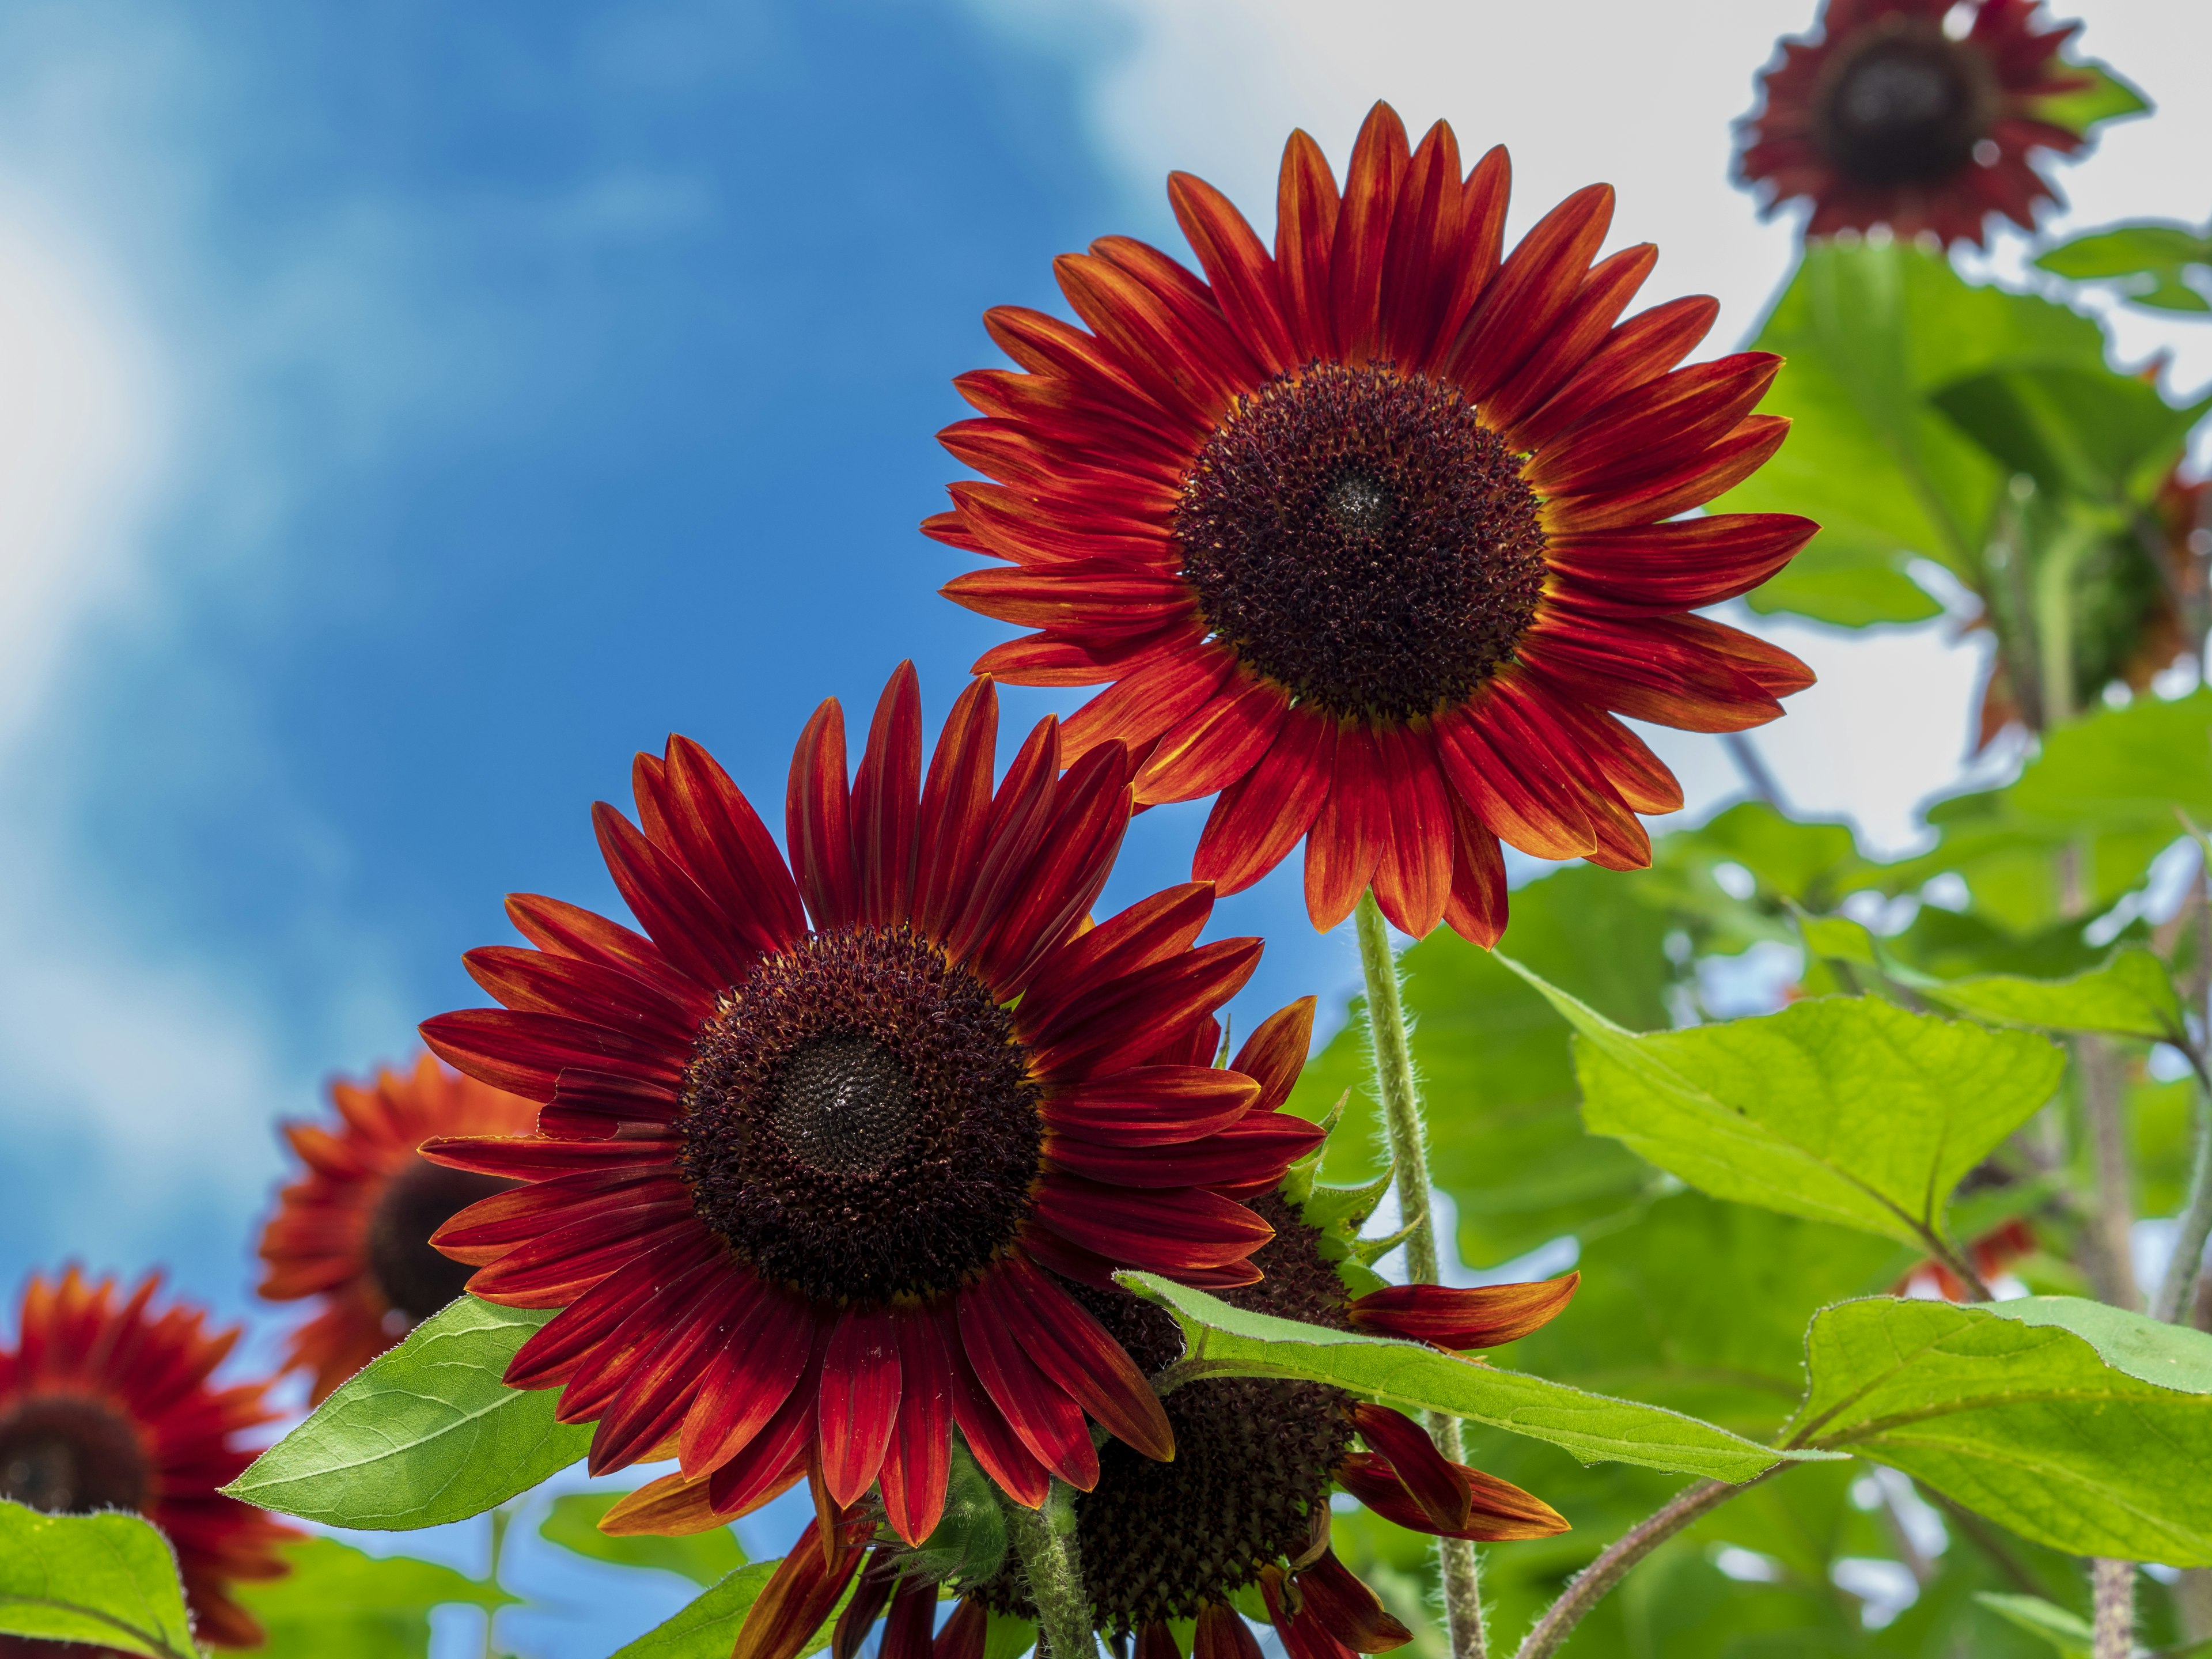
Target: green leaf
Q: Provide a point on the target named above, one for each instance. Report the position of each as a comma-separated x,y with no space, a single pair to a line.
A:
2026,1423
2069,1632
2099,437
2131,995
2131,765
1006,1636
704,1558
2173,1356
426,1434
338,1602
1841,1109
1868,332
2107,97
708,1627
1228,1342
110,1580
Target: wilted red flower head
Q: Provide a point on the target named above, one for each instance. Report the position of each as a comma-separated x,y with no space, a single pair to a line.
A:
1371,534
354,1230
105,1403
812,1140
1884,117
1245,1506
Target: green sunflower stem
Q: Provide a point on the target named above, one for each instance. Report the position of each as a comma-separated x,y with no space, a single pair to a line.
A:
1044,1541
1402,1114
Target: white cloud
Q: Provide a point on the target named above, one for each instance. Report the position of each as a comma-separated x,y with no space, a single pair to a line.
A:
1642,97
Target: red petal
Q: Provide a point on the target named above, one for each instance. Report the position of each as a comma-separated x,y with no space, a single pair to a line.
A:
558,1347
1306,213
913,1617
1645,347
1140,332
1500,1511
688,927
1413,880
956,808
749,1381
818,821
1348,1608
1605,293
532,1157
1478,907
1256,823
920,1458
1239,267
1653,429
1434,1481
1352,831
1021,810
1536,286
609,1106
998,1448
1149,702
1164,1231
884,803
764,1462
1528,808
1223,1634
487,1229
803,1592
1639,777
1275,1052
1255,1151
568,931
1118,1021
860,1401
876,1580
1149,1106
603,1373
1303,1636
555,1268
1156,1641
525,1053
1219,744
1688,483
534,981
1040,1413
1069,1345
1420,262
660,1387
1152,930
1685,562
1487,1317
963,1637
1090,815
1379,159
712,828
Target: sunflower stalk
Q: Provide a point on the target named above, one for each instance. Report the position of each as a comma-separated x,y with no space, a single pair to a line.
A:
1044,1541
1401,1114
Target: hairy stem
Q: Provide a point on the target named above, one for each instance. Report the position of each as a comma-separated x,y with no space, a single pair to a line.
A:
2176,1291
1054,1571
2111,1266
1402,1115
2113,1587
1591,1585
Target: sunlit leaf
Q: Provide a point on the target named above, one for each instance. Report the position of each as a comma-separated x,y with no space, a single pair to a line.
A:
2131,995
707,1628
2152,262
1223,1341
2069,1632
2024,1422
1841,1109
426,1434
109,1580
338,1602
2098,436
2107,97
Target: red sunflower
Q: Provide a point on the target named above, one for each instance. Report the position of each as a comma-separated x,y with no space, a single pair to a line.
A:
1374,535
356,1230
1885,118
1240,1519
105,1403
811,1142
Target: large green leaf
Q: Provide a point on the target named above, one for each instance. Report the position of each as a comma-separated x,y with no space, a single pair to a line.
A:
1868,332
2152,261
2131,765
426,1434
2131,995
2091,433
338,1602
2068,1631
110,1580
704,1558
1223,1341
1841,1109
2026,1423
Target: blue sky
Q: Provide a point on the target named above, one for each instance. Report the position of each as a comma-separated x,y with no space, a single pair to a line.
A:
407,413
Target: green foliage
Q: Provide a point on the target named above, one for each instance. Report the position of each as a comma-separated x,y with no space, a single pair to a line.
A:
1223,1341
2107,97
338,1602
110,1580
704,1558
2105,438
426,1434
1870,333
2069,1632
2027,1423
2151,262
1844,1110
970,1539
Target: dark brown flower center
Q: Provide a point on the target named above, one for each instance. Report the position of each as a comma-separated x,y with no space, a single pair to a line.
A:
860,1121
1900,103
1359,537
415,1279
1254,1458
69,1456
